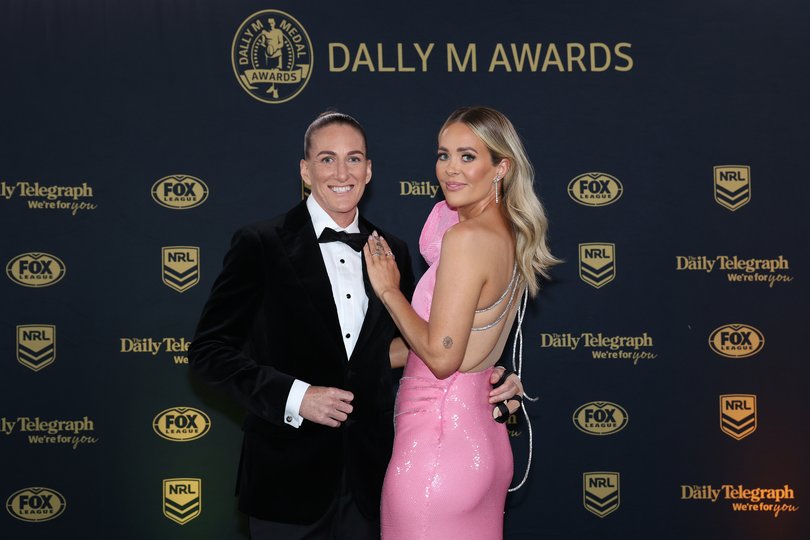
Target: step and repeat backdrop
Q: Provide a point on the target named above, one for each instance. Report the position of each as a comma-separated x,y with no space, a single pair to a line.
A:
667,351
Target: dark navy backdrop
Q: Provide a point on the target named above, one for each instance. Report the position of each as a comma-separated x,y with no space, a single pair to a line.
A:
120,94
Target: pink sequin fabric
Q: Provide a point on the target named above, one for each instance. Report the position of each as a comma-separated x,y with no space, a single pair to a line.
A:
452,464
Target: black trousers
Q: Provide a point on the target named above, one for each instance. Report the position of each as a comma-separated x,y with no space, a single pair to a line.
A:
342,521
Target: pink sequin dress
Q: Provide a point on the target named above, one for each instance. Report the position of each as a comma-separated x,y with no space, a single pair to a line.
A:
452,464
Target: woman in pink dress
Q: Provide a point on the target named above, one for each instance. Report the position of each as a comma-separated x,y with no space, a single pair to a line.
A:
452,464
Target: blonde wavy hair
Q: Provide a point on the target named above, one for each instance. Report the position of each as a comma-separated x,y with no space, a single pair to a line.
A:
523,209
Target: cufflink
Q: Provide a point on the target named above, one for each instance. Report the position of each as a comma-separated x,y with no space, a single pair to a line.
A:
289,419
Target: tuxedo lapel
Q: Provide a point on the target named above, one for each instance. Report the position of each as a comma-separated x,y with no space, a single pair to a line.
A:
299,241
375,306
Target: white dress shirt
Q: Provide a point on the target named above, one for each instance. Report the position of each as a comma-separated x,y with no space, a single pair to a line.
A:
344,266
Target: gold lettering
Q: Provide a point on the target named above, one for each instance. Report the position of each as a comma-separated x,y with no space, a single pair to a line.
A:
552,51
525,54
618,50
605,48
363,58
499,59
380,66
401,67
576,58
469,57
423,54
334,67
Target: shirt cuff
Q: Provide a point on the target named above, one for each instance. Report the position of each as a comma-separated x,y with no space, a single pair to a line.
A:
292,409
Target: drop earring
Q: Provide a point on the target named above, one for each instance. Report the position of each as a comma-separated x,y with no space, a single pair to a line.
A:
495,183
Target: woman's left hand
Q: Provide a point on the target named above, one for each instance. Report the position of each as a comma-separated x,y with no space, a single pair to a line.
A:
381,266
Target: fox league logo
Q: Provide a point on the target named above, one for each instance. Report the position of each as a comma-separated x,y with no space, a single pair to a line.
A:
600,492
35,504
597,263
36,345
736,341
181,267
182,499
181,424
595,189
35,269
732,186
179,192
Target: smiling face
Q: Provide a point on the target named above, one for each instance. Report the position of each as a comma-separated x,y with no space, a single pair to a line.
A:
464,167
337,170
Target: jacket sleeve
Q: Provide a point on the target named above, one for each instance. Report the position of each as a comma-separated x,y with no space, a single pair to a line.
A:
218,353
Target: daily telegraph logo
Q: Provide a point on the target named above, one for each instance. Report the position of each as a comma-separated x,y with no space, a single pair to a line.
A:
181,424
600,492
35,269
738,270
416,188
272,56
744,499
35,504
42,197
738,415
178,347
38,431
179,192
597,263
732,186
595,189
602,346
736,341
182,499
181,267
600,418
36,345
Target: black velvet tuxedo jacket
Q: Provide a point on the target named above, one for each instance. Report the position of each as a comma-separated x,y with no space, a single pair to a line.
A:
270,319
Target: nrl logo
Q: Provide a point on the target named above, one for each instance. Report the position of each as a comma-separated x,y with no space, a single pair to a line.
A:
738,415
732,186
182,499
36,345
597,263
181,267
600,492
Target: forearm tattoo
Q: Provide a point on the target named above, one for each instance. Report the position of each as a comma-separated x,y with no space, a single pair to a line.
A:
447,342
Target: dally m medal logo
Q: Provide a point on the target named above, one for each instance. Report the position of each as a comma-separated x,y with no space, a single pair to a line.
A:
181,267
182,499
597,263
600,492
36,345
595,189
600,418
736,341
35,504
35,269
272,56
738,415
179,192
732,186
181,424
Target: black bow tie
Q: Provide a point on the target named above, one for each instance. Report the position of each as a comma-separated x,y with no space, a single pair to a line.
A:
354,240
